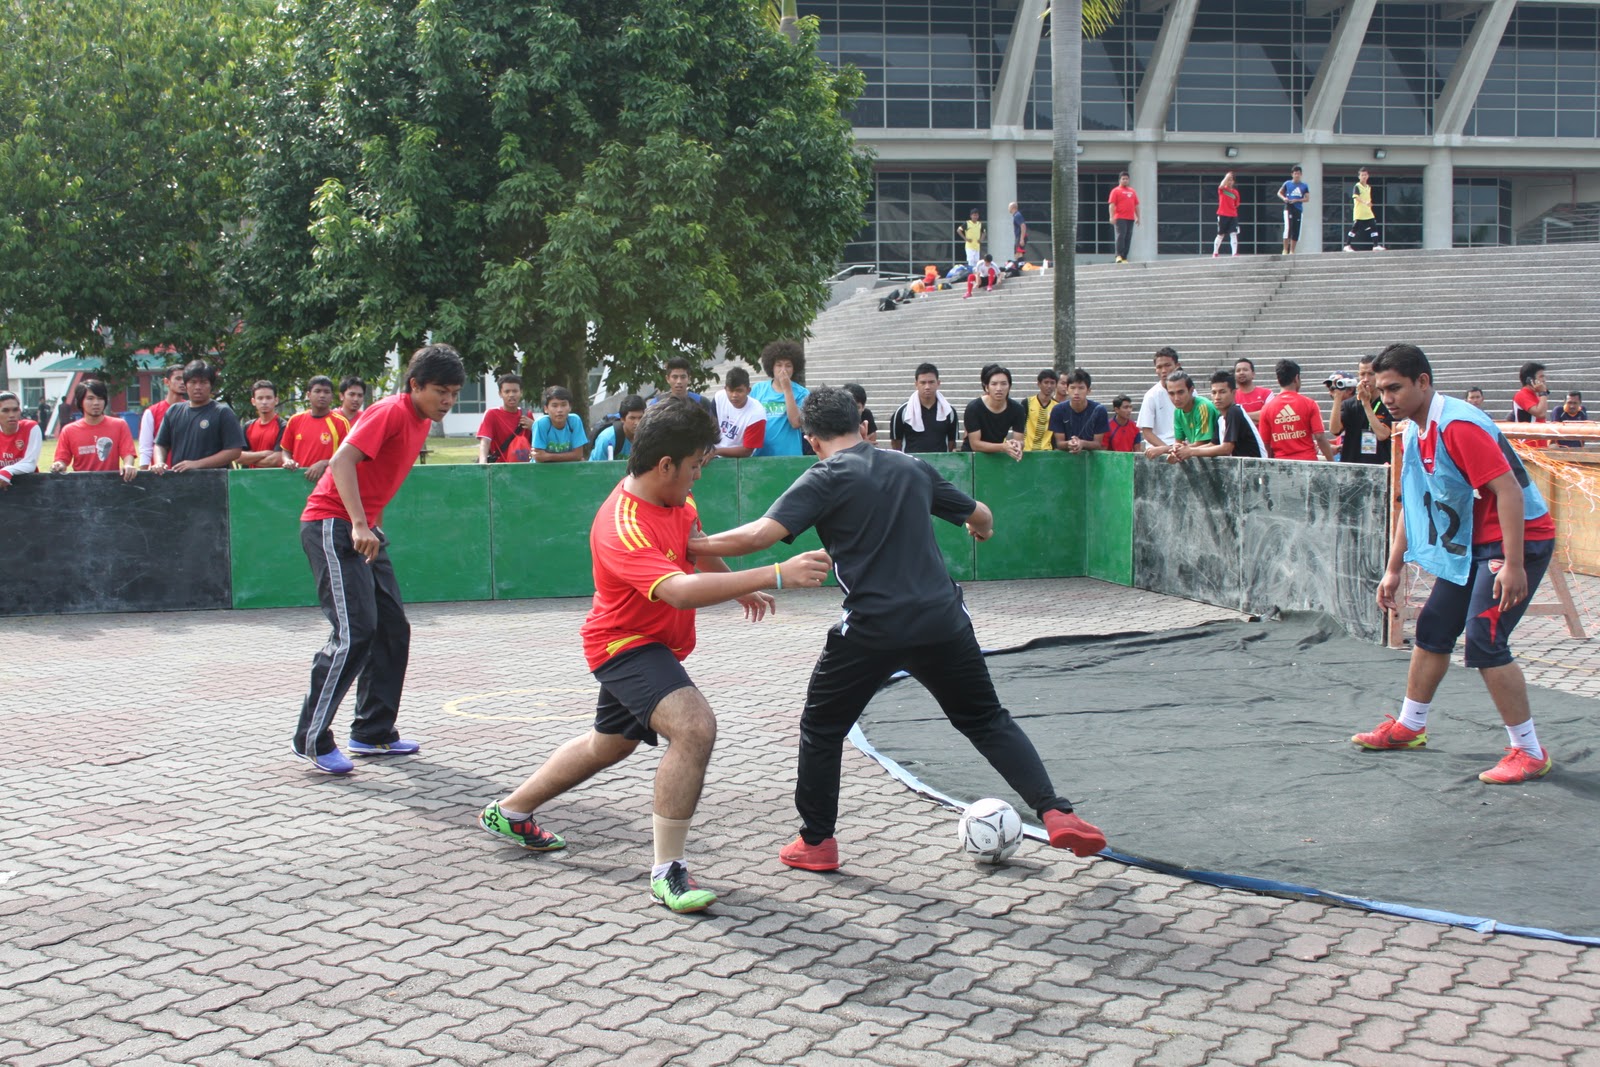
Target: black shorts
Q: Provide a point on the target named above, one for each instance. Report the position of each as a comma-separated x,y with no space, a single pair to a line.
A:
1472,607
631,685
1227,224
1291,224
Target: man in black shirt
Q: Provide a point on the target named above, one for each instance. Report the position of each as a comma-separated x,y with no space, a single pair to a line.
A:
925,422
902,611
1237,435
1364,421
201,433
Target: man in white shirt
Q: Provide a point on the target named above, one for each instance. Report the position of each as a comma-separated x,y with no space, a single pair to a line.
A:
1156,410
742,424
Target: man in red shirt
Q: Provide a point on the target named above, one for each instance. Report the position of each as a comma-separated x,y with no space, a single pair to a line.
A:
94,442
1462,485
1227,215
1124,435
1532,402
639,630
150,422
1291,423
20,440
1124,206
352,394
311,437
1250,397
501,425
263,435
341,532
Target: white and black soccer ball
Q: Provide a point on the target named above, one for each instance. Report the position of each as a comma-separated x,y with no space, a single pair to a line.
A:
990,831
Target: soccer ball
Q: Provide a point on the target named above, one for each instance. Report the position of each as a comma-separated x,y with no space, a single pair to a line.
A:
990,831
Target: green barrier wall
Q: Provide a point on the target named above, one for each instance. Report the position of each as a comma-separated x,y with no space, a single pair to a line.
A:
469,532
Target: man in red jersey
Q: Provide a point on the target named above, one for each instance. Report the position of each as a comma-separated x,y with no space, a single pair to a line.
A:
1250,397
502,425
312,437
94,442
263,435
1123,205
352,394
638,632
1532,402
1476,522
342,534
1291,423
20,440
150,422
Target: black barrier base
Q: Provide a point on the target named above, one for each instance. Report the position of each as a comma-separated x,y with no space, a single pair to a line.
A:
92,542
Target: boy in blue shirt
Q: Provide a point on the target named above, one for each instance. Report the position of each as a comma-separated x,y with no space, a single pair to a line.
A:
616,441
558,436
1294,193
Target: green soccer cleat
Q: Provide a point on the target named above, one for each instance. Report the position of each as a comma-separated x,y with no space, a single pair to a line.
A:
526,833
676,890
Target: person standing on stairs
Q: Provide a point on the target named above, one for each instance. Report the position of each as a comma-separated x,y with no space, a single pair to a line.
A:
1227,215
1124,207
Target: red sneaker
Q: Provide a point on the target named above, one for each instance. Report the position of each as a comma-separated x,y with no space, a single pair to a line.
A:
798,854
1518,766
1068,831
1391,735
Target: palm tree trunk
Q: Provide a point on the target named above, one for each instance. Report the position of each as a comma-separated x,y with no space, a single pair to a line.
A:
1066,73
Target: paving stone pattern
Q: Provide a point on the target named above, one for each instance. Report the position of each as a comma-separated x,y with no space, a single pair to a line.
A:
173,889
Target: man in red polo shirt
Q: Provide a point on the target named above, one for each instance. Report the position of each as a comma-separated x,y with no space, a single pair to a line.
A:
20,440
342,534
1124,206
263,435
639,630
94,442
1250,397
1291,423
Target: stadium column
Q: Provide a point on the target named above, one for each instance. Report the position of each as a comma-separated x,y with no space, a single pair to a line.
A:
1145,176
1438,200
1311,221
1150,108
1002,191
1460,91
1006,120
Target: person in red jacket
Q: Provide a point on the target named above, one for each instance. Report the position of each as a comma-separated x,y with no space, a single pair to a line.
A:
1227,215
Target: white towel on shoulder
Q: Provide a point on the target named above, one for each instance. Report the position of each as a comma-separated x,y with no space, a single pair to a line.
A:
913,411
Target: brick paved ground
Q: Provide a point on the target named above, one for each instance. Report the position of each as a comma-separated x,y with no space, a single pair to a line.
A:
173,889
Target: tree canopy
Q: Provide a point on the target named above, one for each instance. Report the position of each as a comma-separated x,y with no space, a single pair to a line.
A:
582,181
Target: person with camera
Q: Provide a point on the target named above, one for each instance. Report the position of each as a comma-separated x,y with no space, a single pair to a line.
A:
1362,418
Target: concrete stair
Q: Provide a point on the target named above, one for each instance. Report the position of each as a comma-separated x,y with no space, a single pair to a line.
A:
1478,314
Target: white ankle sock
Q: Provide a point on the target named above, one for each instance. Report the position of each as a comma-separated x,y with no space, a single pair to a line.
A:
660,869
515,816
1523,737
1414,714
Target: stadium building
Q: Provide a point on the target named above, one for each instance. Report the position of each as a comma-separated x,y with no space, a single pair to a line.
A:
1479,120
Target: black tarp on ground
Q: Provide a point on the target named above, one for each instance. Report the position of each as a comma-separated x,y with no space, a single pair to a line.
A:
1225,748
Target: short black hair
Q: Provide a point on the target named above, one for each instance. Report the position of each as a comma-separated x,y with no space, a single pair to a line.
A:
176,368
1366,361
1528,372
557,392
1474,389
1168,351
1292,170
1575,395
829,413
925,368
631,403
508,379
1287,372
1122,398
676,429
430,365
679,363
87,386
1124,174
1224,377
321,379
792,351
350,379
1078,374
856,391
989,371
200,369
8,395
263,384
1245,359
736,378
1405,360
1048,375
1178,376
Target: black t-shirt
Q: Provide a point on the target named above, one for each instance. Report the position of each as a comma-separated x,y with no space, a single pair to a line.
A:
1236,428
866,417
197,433
1353,415
871,508
993,426
935,436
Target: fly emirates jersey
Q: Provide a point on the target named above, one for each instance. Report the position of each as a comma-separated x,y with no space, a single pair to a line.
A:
636,545
19,451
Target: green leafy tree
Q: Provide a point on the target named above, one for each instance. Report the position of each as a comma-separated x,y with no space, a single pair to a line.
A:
581,181
121,155
1069,21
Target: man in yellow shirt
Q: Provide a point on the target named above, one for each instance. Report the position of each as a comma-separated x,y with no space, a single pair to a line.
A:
1036,434
972,233
1365,224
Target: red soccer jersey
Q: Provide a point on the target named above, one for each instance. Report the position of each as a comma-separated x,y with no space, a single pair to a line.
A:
262,436
309,439
95,448
1124,437
390,435
635,545
14,446
1228,203
1289,425
1124,203
500,426
1252,400
158,411
1526,400
1478,457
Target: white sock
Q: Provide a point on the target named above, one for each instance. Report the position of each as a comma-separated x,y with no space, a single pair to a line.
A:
660,869
1233,240
1216,246
1414,714
1523,737
515,816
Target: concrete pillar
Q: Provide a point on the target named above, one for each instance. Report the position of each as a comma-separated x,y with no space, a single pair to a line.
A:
1002,190
1438,200
1311,224
1460,93
1142,173
1161,75
1017,67
1326,95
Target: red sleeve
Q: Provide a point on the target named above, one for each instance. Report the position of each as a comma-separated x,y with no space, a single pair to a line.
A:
630,553
1527,400
1316,416
1476,453
755,435
65,444
375,425
125,443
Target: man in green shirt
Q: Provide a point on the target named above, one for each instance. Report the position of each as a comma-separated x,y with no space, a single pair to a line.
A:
1194,418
